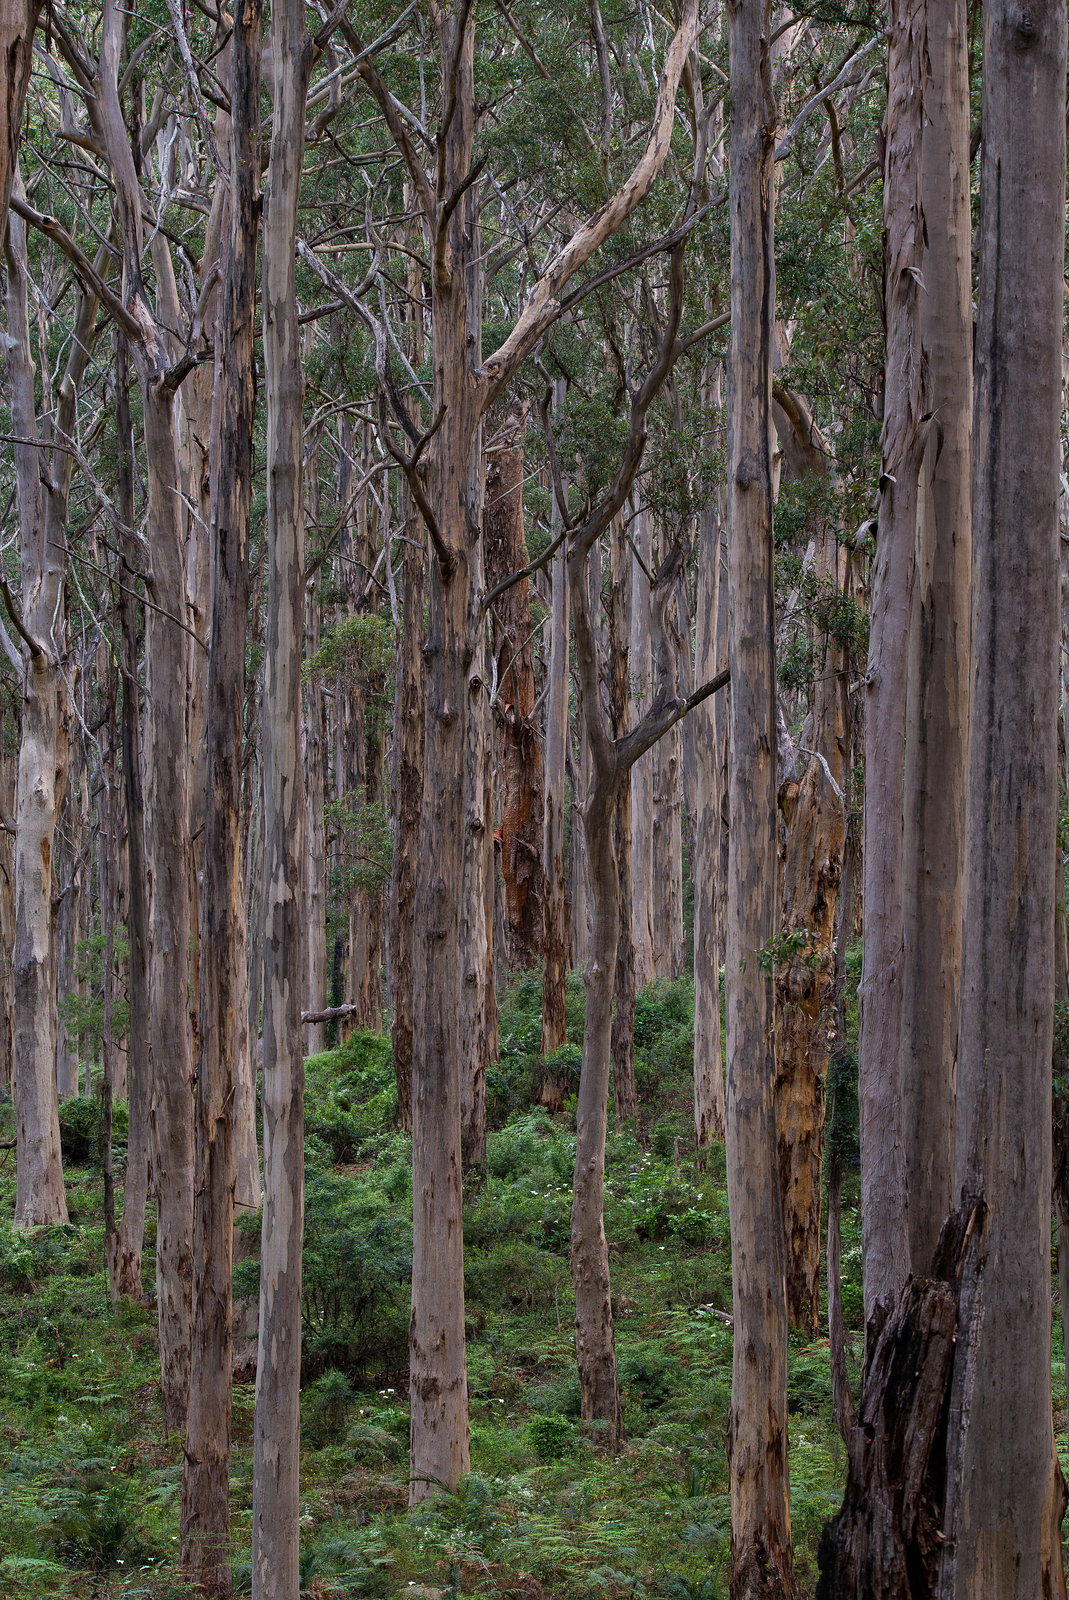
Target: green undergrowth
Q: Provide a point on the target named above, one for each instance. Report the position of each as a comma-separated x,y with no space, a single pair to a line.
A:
90,1483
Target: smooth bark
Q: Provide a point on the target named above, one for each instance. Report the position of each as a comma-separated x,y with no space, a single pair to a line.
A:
276,1440
1007,1491
761,1554
205,1523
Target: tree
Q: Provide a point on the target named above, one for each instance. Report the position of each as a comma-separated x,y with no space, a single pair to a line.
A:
224,998
761,1555
1006,1494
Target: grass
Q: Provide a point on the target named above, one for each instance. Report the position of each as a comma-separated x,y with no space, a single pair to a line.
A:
90,1483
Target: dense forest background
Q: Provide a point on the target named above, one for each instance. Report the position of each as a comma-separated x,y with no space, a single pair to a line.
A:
534,984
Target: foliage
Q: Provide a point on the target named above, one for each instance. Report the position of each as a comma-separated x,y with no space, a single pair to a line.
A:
82,1009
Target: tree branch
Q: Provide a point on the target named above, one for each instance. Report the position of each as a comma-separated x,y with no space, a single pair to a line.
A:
544,305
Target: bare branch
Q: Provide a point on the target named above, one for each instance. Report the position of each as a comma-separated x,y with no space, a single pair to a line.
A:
84,270
544,307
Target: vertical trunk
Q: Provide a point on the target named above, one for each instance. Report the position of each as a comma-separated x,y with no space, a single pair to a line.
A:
168,846
669,951
642,795
314,916
42,765
815,820
67,914
440,1451
18,20
478,1020
522,810
1006,1489
276,1445
884,1200
408,794
938,690
761,1555
7,921
205,1527
625,1093
126,1266
705,866
594,1346
555,944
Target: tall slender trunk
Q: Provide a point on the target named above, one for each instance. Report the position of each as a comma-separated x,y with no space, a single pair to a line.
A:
408,795
1005,1488
126,1266
276,1443
522,809
625,1093
42,768
594,1344
642,793
815,818
938,686
478,996
705,866
761,1555
884,1198
314,915
205,1526
555,939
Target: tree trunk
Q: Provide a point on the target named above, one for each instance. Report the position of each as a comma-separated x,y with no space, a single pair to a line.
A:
884,1200
702,725
478,1018
42,768
594,1344
18,20
642,795
815,823
555,943
314,915
625,1093
1006,1490
407,803
522,809
761,1556
205,1524
126,1266
276,1445
938,688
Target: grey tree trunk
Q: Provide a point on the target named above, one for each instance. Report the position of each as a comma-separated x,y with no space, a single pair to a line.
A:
761,1553
1006,1494
276,1441
642,791
205,1523
938,688
39,1196
884,1200
126,1265
407,802
709,1124
556,950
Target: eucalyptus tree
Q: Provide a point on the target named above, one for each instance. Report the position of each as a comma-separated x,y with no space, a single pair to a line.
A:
1005,1490
43,759
761,1551
443,466
612,758
223,999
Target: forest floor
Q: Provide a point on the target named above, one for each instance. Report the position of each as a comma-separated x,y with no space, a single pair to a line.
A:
90,1483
